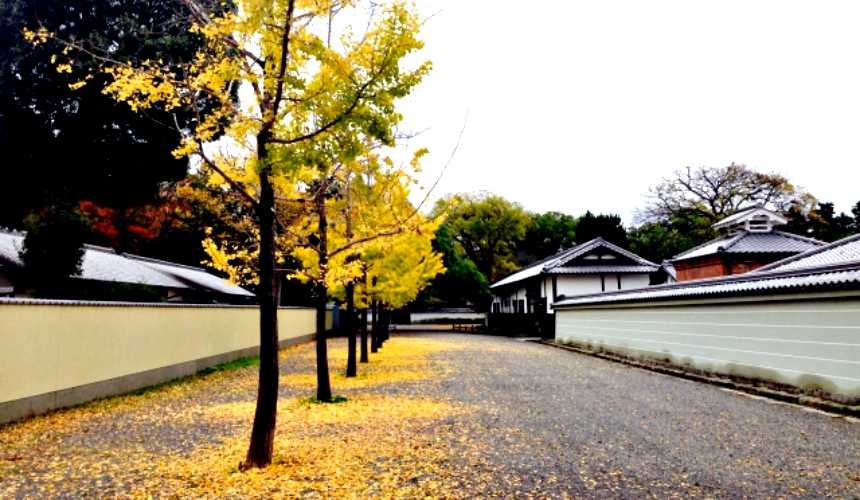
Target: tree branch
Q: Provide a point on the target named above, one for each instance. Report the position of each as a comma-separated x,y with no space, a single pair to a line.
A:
233,183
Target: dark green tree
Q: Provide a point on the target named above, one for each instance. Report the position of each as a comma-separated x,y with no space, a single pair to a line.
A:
462,284
548,233
855,210
658,241
53,249
606,226
60,143
821,222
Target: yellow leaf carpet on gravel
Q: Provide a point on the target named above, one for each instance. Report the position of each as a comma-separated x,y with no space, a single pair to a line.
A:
374,444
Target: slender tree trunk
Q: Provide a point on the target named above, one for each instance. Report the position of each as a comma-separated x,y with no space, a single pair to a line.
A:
383,329
265,417
323,382
374,320
351,368
364,358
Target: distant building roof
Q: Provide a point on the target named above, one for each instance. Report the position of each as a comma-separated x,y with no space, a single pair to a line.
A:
846,250
755,219
195,276
103,264
558,263
669,269
751,231
833,267
750,242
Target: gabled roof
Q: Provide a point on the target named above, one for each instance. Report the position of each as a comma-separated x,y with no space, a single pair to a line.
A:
751,213
746,242
558,263
103,264
844,251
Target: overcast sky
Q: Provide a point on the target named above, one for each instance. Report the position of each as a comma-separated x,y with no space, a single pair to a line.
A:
576,105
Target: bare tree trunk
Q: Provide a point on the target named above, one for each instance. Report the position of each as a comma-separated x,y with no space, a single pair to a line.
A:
265,417
323,382
351,368
364,358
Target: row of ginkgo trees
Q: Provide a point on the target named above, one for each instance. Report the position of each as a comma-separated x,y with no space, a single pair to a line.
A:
291,101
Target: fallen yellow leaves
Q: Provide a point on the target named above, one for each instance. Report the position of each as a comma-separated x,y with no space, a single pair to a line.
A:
373,445
185,439
399,361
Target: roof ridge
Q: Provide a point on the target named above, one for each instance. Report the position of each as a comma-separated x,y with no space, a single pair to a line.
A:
700,245
166,262
588,245
532,265
733,240
800,237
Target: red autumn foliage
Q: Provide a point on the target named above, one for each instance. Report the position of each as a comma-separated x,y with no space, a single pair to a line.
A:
133,223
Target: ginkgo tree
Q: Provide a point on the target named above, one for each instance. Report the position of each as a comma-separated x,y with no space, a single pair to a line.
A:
373,221
361,220
272,87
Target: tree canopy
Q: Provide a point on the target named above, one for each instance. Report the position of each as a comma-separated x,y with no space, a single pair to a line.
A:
488,228
548,233
70,141
717,192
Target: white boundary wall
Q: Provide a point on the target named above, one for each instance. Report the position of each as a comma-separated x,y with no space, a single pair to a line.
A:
812,343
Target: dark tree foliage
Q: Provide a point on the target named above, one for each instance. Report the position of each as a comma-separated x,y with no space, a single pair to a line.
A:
822,222
658,241
855,210
79,144
462,284
606,226
548,233
53,249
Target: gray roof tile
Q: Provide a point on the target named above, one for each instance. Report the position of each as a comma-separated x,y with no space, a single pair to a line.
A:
600,269
745,242
550,264
761,283
844,251
103,264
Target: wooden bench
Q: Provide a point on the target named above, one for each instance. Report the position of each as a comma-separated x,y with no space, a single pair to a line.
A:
466,327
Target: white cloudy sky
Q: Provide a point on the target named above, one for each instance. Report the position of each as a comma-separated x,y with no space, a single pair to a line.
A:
576,105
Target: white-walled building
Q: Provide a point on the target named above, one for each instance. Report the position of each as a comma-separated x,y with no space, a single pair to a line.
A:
595,266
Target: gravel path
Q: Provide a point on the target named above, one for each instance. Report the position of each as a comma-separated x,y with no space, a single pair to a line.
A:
559,423
541,422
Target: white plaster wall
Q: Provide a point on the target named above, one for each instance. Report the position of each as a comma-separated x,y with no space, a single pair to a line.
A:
802,343
519,294
629,281
578,285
